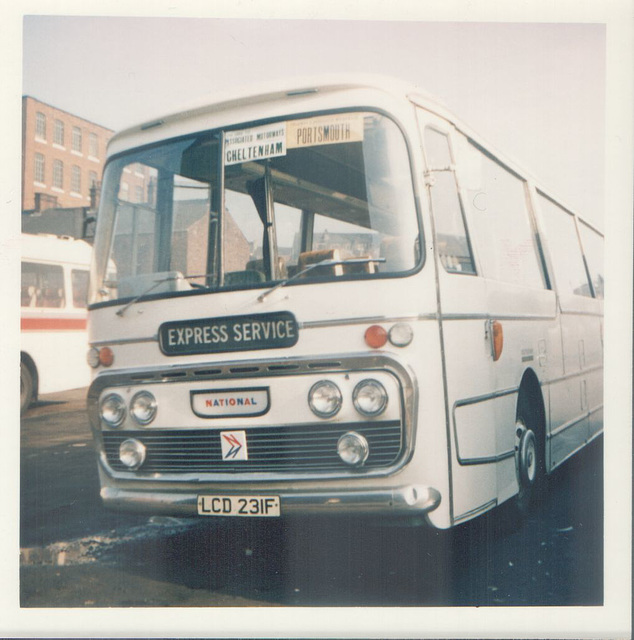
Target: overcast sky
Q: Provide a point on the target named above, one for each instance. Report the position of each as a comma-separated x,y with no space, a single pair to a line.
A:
535,91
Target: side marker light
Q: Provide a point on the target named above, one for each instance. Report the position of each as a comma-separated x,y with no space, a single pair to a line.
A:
498,339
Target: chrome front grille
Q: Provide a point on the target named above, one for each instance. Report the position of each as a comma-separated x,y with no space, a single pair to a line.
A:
295,448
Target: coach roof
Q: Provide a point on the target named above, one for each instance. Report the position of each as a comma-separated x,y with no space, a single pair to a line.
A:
281,90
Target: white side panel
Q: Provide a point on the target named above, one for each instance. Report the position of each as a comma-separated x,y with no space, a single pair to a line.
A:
60,358
577,398
475,435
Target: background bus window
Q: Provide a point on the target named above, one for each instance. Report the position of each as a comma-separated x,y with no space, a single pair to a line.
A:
501,226
79,282
565,251
453,246
42,285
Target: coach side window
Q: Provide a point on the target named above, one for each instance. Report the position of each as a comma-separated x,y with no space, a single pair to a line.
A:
452,241
593,250
565,250
501,225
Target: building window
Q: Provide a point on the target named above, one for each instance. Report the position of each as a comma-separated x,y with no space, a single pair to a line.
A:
76,139
39,167
93,148
93,178
40,125
58,174
58,135
75,179
138,194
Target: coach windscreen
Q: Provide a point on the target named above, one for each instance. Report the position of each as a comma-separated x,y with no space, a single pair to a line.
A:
252,206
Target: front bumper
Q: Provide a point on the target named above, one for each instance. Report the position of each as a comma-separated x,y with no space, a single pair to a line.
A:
410,500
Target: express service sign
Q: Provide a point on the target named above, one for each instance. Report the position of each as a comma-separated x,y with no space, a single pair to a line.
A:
234,333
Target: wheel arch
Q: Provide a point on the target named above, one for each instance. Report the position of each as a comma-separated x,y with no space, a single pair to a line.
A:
530,390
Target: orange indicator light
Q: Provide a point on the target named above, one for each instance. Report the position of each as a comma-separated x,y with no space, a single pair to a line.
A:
375,336
106,357
498,339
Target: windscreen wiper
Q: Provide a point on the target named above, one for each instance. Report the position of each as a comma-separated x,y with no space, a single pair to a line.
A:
328,262
158,283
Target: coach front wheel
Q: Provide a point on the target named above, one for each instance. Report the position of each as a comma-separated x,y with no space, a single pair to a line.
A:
526,464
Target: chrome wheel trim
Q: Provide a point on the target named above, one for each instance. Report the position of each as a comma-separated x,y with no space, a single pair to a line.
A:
528,458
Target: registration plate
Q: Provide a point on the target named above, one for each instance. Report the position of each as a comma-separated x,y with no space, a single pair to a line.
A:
244,506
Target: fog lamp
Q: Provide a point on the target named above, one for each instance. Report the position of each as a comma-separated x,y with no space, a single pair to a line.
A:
324,399
370,397
112,410
132,453
143,407
353,448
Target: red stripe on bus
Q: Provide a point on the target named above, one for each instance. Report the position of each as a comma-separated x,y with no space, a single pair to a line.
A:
53,324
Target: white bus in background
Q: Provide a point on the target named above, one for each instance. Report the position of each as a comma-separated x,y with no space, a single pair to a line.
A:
53,338
335,298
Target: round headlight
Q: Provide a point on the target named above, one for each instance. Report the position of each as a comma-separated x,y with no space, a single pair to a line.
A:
370,397
324,399
113,410
353,448
143,407
132,453
401,334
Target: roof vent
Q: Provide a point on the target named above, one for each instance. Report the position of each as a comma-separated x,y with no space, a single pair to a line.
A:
151,125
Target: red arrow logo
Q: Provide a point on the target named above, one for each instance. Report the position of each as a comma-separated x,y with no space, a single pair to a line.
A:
236,445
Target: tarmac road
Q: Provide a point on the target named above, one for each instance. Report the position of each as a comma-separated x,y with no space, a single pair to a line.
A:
74,553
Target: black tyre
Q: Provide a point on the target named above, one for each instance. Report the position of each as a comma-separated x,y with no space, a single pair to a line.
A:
27,388
529,455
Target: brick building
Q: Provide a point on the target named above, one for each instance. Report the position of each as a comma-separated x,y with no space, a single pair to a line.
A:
62,157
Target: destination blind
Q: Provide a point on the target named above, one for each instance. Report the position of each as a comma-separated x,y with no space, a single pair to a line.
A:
272,140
